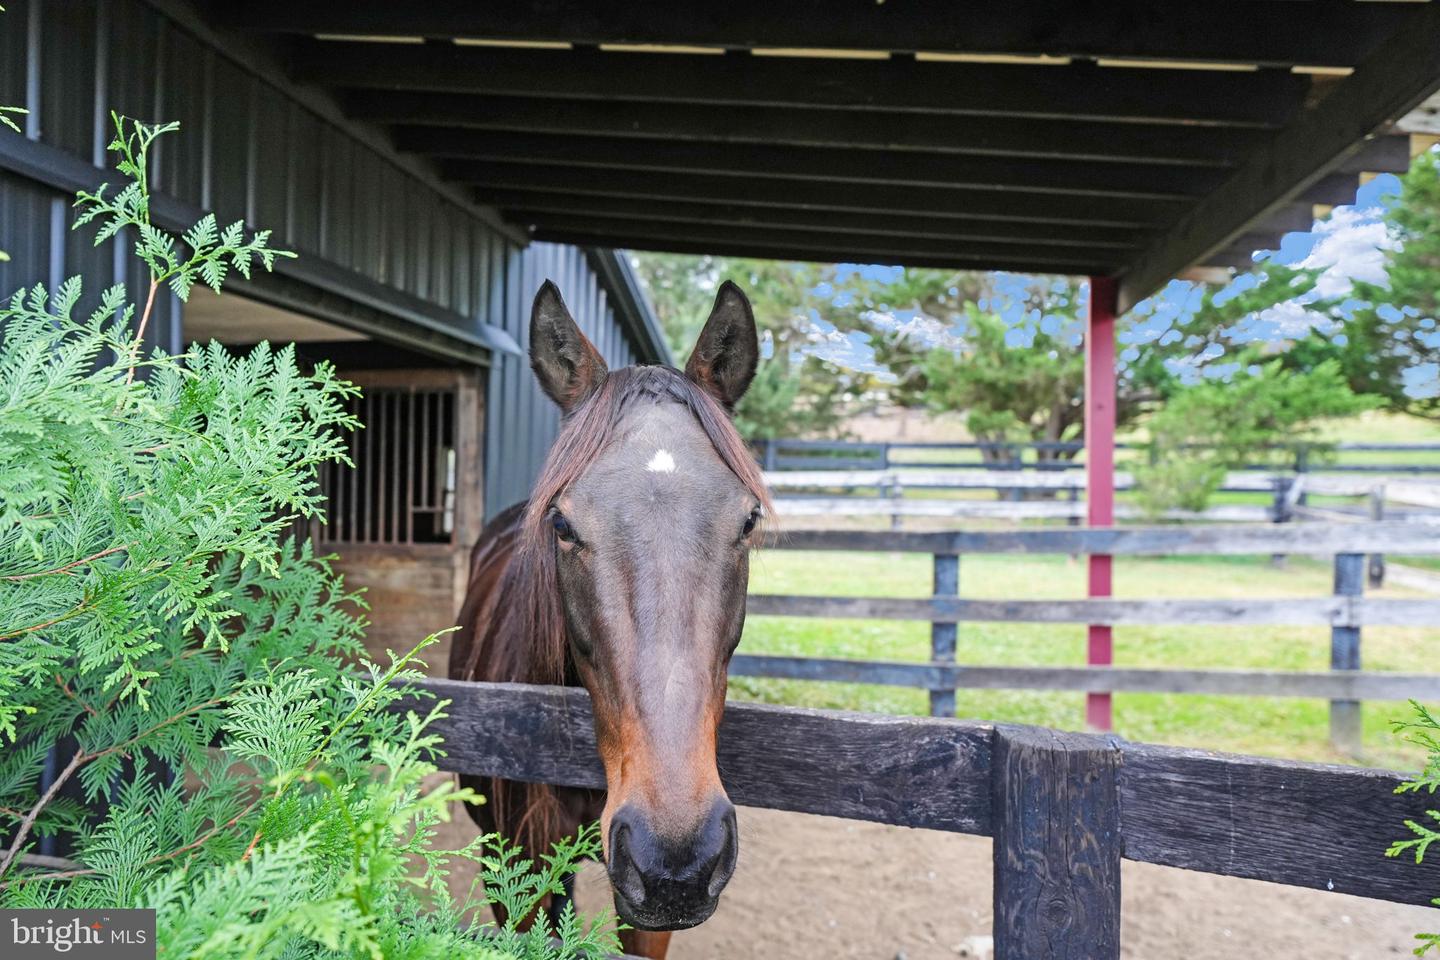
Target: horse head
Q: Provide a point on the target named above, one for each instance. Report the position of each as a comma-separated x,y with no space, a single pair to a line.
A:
648,507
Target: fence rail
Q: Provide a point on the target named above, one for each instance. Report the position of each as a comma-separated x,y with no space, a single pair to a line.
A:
1042,456
1063,808
811,493
1345,612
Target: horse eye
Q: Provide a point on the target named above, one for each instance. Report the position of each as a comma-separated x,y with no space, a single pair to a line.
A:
563,530
750,522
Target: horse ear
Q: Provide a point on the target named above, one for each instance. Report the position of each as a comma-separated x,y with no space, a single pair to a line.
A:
723,361
567,365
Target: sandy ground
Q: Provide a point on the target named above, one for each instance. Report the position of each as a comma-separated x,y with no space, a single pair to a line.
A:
810,887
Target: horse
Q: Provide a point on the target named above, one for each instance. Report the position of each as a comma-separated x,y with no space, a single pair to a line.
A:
625,572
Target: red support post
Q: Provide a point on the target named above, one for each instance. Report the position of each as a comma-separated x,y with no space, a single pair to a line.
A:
1100,469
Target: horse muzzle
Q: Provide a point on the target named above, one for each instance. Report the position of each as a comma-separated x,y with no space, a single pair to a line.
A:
670,884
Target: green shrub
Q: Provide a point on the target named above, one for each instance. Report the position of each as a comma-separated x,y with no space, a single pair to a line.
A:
1424,731
236,770
1257,416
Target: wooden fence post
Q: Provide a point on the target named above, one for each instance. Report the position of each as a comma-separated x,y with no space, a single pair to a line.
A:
943,635
1377,514
1345,719
769,454
897,491
1056,814
1302,467
1281,511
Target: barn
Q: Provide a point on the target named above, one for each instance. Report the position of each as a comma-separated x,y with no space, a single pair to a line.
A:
433,162
406,283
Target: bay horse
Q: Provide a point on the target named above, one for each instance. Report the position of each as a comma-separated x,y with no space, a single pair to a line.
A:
625,572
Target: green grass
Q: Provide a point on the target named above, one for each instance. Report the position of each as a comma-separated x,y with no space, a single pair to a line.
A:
1285,727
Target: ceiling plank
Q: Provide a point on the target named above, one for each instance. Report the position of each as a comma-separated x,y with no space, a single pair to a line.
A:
1226,31
557,210
829,166
1400,74
1080,91
964,204
1131,143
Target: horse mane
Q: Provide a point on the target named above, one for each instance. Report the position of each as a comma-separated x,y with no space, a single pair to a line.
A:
515,631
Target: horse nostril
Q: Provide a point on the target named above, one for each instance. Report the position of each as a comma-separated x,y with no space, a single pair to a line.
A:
624,873
729,853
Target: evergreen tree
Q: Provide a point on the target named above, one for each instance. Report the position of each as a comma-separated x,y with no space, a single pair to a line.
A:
1387,337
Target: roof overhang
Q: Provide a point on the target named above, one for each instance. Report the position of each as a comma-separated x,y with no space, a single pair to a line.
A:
1126,138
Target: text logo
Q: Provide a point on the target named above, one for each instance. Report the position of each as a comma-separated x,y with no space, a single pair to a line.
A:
77,934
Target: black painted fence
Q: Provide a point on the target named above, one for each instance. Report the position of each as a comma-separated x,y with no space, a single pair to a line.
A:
1345,612
1063,808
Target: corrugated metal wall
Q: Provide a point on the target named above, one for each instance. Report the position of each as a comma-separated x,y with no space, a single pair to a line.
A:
363,223
245,150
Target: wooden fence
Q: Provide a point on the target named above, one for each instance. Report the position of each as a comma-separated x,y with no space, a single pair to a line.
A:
1345,612
784,454
1063,808
807,493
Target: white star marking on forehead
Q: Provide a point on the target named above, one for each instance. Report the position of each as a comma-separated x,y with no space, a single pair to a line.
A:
662,462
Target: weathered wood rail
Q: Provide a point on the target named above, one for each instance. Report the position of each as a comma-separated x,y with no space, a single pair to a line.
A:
1063,808
805,493
1345,612
784,454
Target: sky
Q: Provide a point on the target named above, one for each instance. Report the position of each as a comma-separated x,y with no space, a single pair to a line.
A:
1348,245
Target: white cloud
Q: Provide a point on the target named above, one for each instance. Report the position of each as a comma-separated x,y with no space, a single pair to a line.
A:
1350,245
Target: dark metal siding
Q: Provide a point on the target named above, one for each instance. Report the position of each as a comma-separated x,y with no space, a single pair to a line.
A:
374,237
246,150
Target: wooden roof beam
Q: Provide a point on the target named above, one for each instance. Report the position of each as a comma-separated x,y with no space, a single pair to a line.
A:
825,166
1396,77
830,253
452,127
977,204
566,209
768,233
1080,91
1221,31
628,233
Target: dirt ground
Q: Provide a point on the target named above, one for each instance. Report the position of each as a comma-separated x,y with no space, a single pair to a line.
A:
817,887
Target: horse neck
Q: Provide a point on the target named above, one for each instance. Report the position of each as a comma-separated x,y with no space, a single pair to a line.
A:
511,628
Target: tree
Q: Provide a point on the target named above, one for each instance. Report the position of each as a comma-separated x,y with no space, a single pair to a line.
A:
1008,393
1215,426
796,392
1385,337
241,767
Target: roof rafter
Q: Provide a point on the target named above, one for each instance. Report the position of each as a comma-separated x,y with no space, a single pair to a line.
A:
558,209
424,131
752,247
875,198
1080,91
819,165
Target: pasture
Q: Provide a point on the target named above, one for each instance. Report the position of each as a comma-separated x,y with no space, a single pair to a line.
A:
1285,727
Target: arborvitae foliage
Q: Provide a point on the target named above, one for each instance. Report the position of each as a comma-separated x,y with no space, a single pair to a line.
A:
225,751
1423,730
